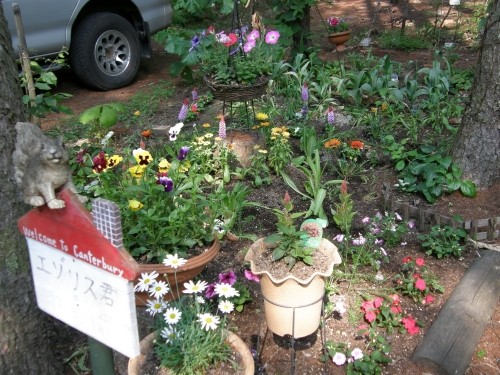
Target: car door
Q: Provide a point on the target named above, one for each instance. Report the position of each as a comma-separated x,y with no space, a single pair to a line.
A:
45,24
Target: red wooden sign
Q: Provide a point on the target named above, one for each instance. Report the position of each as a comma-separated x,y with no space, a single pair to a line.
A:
72,231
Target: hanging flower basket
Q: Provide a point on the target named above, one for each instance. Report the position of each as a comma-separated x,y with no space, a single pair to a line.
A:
236,92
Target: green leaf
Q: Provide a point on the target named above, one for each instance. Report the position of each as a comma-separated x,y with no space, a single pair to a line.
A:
108,117
400,165
468,188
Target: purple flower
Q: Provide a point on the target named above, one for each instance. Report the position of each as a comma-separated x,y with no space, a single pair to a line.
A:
249,275
330,115
194,43
379,241
167,182
272,37
304,110
304,92
184,110
228,277
411,224
183,153
194,94
365,220
359,241
210,291
339,238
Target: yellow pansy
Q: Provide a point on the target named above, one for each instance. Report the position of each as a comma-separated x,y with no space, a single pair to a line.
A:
137,113
163,166
135,205
206,125
184,167
137,171
142,157
113,161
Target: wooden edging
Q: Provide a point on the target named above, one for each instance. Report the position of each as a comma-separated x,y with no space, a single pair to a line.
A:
450,342
479,229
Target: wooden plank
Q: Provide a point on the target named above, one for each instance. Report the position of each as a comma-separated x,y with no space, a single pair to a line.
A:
451,340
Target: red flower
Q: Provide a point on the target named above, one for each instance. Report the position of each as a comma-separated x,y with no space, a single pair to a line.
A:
367,306
286,198
194,108
410,325
147,133
396,300
406,260
396,309
416,276
377,302
211,29
420,284
343,187
357,145
99,163
428,299
419,262
232,40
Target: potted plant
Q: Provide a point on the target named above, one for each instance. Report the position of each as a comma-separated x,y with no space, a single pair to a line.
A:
339,32
293,264
191,334
235,64
166,204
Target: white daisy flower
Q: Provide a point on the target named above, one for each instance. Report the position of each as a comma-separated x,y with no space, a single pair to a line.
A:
168,333
145,281
174,261
208,321
172,315
158,289
155,306
200,300
225,290
226,306
192,287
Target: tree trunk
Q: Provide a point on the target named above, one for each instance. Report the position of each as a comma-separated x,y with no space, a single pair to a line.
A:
477,146
26,345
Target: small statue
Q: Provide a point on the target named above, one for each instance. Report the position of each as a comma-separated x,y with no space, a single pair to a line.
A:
41,166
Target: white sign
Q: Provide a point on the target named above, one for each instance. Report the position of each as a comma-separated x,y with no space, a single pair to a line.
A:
88,298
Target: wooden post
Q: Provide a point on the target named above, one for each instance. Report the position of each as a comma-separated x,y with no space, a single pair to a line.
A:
451,340
421,219
25,60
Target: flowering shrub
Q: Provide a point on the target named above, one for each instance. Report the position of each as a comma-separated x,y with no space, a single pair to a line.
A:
280,150
165,203
389,229
191,336
336,25
416,281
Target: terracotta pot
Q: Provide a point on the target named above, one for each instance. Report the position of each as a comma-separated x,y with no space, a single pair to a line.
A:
293,306
339,39
236,343
187,272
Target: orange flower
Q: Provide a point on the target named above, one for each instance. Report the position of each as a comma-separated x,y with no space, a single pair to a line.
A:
357,145
332,143
147,133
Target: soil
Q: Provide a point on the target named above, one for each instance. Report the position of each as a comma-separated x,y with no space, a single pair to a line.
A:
273,353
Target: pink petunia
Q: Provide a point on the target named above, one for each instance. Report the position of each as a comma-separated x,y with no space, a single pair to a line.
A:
377,302
367,306
253,36
248,46
420,284
249,275
272,37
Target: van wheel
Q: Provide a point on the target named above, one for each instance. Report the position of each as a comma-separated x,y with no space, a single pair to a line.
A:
105,51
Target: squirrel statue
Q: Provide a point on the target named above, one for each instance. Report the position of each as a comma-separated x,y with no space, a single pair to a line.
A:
41,167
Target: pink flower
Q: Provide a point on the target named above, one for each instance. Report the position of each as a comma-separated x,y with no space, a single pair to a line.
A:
222,127
396,309
428,299
339,238
249,275
419,262
248,46
370,316
365,220
420,284
339,359
377,302
272,37
411,224
410,325
367,305
228,277
304,92
253,36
